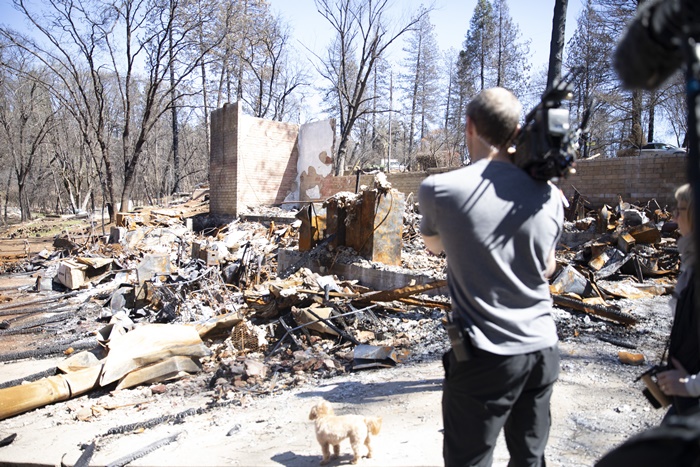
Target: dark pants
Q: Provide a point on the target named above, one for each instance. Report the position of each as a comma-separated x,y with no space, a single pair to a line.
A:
490,392
682,406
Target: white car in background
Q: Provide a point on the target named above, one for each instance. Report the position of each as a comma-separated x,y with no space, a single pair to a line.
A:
396,166
661,148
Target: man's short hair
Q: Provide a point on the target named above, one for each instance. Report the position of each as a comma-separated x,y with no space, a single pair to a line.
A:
495,113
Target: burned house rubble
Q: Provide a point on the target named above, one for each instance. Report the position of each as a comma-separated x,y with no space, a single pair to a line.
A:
174,299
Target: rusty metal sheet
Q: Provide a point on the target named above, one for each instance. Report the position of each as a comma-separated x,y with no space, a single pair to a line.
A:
616,259
313,224
388,228
646,233
598,261
571,281
376,227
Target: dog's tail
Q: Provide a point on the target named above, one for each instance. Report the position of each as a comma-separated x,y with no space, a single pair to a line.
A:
374,424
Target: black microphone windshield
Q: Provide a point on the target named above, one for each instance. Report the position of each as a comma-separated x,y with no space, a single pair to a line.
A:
649,51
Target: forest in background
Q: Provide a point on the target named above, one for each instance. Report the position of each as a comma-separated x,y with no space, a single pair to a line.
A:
107,101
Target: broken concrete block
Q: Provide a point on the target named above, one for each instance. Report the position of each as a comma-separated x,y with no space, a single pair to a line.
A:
303,316
71,273
255,368
625,242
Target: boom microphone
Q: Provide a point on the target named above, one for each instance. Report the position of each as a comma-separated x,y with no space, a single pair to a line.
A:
650,51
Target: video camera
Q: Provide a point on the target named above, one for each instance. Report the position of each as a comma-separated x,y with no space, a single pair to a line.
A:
546,146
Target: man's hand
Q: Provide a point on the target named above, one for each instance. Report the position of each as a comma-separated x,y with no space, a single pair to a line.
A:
672,382
433,243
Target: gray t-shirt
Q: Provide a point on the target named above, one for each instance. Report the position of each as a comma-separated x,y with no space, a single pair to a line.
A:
498,226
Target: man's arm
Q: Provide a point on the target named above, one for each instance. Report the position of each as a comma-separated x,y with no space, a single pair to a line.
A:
433,243
551,264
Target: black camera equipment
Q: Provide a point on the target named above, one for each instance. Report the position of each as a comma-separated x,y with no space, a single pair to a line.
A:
652,48
546,146
461,345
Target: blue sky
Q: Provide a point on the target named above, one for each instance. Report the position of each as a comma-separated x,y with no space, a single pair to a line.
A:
450,17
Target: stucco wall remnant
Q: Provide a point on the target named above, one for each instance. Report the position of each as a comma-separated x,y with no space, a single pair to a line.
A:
315,162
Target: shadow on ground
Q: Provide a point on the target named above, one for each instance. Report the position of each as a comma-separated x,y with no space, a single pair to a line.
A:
358,392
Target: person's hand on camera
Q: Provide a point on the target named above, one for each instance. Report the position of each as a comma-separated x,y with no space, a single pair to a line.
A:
672,382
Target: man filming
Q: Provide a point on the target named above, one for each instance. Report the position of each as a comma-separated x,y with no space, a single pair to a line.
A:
499,228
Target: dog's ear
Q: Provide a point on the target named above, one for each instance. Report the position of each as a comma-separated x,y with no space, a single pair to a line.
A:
324,409
374,424
313,414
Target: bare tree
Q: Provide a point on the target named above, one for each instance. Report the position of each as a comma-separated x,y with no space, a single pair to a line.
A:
70,54
271,80
362,38
615,15
674,105
26,119
96,50
71,164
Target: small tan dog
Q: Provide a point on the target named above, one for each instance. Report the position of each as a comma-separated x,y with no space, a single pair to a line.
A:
331,429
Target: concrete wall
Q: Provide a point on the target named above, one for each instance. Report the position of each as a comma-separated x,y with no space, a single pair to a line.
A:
600,181
636,179
252,161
